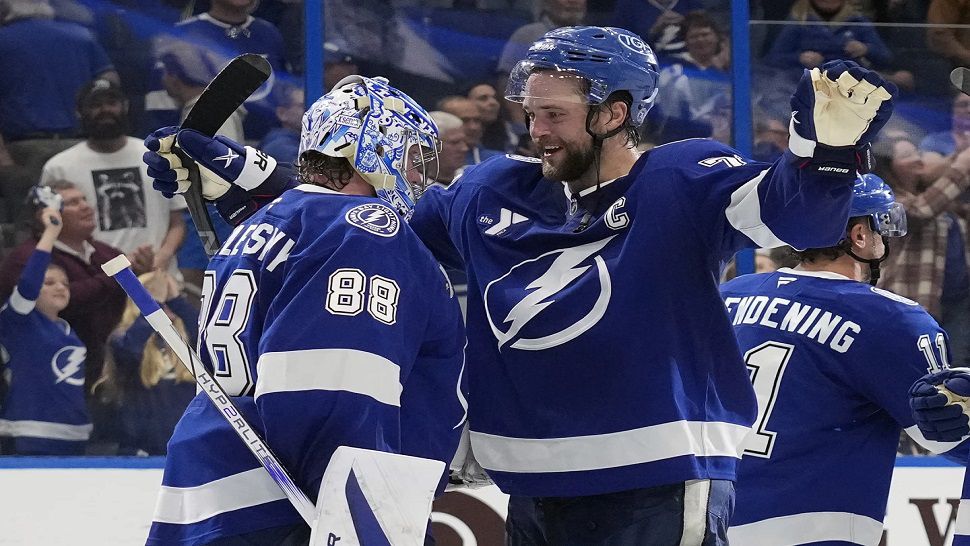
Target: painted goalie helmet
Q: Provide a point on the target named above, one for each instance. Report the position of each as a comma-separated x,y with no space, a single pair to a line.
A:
384,134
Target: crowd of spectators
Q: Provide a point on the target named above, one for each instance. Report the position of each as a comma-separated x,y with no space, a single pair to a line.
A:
95,76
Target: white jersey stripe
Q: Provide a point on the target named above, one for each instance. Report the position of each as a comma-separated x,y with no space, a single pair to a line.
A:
962,526
185,505
616,449
799,145
20,304
330,370
808,527
45,429
744,214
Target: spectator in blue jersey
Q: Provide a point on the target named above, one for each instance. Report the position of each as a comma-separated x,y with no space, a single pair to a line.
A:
283,142
342,328
45,62
227,30
836,30
657,21
44,411
831,359
149,387
563,253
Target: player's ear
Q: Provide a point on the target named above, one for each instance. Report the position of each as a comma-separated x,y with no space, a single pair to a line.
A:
859,235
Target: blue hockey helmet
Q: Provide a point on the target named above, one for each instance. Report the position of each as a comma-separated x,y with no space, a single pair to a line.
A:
376,128
873,198
610,59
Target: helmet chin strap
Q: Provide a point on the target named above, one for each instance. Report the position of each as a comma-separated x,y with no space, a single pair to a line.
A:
597,152
872,263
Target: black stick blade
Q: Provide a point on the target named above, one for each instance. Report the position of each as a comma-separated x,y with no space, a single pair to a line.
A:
227,92
960,78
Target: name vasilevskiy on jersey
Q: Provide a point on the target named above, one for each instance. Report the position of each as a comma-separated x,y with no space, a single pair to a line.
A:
262,238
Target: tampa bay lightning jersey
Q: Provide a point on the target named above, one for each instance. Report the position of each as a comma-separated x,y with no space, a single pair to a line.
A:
45,408
831,361
334,326
600,356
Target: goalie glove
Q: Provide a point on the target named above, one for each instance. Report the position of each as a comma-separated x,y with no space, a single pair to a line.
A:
240,179
837,110
939,402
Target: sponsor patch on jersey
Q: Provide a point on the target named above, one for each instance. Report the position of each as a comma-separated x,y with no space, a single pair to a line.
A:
893,296
375,218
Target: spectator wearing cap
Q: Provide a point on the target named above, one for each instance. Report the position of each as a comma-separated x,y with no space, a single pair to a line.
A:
45,62
283,143
108,168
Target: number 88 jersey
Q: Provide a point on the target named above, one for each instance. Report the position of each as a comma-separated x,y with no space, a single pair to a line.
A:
333,325
831,361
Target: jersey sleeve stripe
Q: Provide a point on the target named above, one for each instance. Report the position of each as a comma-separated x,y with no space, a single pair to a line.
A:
20,304
185,505
744,214
934,446
800,146
45,429
616,449
330,370
808,527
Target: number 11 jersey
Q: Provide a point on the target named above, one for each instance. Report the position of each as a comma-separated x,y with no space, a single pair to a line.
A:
831,361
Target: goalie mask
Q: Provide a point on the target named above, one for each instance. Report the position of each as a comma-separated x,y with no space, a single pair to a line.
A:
872,198
384,134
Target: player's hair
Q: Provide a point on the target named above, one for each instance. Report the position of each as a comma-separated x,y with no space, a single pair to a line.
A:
812,255
154,361
336,171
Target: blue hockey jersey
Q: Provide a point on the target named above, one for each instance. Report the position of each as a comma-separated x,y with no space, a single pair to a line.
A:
45,409
600,356
334,326
832,361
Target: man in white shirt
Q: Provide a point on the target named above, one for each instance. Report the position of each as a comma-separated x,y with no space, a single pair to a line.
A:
108,169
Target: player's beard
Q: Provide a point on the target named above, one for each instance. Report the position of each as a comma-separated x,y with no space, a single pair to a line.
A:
105,127
573,164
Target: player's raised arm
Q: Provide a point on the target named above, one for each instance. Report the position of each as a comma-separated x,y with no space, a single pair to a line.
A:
803,198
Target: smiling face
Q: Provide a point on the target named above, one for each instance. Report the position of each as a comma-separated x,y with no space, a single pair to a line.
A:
78,215
557,113
55,293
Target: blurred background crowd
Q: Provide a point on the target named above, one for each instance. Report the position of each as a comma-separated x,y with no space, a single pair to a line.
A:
85,80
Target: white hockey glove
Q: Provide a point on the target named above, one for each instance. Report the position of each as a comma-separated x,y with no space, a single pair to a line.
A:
222,162
837,110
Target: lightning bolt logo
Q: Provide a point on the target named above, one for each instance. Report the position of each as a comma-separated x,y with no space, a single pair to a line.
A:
564,270
73,358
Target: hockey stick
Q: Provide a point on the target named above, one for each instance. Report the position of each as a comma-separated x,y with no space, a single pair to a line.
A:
223,96
119,268
960,78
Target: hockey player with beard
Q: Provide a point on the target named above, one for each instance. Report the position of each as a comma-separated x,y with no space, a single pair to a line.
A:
607,393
